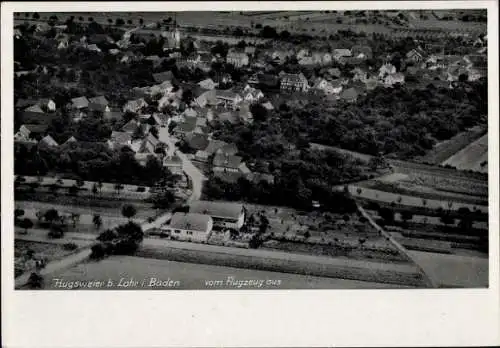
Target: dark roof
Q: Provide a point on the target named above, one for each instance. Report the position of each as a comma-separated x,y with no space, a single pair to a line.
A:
197,141
36,128
80,102
97,107
229,177
163,76
23,103
188,125
225,160
99,100
218,209
190,221
349,94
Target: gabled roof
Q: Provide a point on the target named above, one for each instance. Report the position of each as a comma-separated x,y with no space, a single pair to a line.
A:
229,116
226,94
49,141
36,128
190,222
197,141
130,126
120,137
80,102
349,94
97,107
101,100
227,210
215,145
227,161
71,139
23,103
268,106
163,76
187,126
35,108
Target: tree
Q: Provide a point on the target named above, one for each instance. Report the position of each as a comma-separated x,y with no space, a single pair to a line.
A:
119,22
400,199
141,21
307,234
163,200
73,190
386,214
466,219
26,224
118,188
56,231
129,211
107,236
36,15
447,219
51,216
18,213
80,183
406,216
359,190
75,218
424,202
94,189
97,221
90,19
35,281
110,21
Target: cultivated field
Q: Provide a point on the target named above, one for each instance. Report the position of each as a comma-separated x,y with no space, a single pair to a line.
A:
442,151
199,276
473,157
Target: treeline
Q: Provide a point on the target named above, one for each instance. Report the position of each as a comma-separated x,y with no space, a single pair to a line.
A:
88,161
404,123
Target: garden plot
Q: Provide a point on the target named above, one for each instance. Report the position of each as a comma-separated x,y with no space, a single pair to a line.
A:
473,157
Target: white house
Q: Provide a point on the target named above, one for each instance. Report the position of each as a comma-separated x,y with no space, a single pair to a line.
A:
190,227
224,214
386,69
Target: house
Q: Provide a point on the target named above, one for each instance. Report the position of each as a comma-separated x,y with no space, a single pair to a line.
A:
294,82
185,127
249,50
392,79
80,103
131,126
228,116
203,97
201,156
100,108
371,84
70,140
173,164
93,48
34,113
155,60
350,95
258,178
304,52
48,141
31,132
207,84
149,144
101,100
190,112
361,52
224,214
63,44
119,140
135,106
163,76
341,53
268,106
308,60
250,94
238,59
280,57
47,104
24,103
415,55
386,69
359,74
113,113
334,73
214,145
228,98
160,119
329,88
223,162
189,226
197,141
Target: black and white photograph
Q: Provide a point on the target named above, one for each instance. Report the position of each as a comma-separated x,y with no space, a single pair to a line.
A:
251,150
250,174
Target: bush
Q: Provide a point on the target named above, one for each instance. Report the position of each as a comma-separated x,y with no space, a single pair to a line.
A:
56,232
97,251
141,189
69,246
